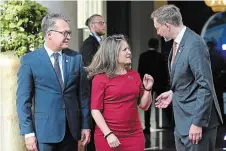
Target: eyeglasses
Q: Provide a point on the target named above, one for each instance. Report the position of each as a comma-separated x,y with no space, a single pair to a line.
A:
64,33
100,23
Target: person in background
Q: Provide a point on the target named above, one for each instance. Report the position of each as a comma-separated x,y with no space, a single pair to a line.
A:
116,92
97,27
153,63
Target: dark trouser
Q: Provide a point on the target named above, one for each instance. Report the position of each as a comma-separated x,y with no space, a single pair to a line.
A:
91,145
67,144
147,116
207,142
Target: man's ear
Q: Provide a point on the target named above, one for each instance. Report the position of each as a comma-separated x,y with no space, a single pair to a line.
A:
168,26
49,35
91,26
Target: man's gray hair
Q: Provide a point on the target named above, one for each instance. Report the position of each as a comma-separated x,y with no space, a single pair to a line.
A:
168,14
49,21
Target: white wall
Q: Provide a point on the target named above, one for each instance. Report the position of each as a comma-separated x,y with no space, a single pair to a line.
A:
69,9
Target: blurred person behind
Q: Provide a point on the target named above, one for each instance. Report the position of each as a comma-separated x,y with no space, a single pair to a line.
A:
153,63
97,27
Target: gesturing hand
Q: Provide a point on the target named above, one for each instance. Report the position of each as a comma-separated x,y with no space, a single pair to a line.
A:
164,99
148,81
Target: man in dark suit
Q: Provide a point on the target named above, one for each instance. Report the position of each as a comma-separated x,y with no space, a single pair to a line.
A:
196,110
90,46
53,76
152,62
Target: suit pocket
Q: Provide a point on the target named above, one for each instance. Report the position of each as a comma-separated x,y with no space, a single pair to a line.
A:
41,124
181,93
41,116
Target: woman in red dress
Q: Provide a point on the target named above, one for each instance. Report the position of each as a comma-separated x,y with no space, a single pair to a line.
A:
116,92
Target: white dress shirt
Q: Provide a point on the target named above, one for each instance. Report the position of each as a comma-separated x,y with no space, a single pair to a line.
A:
50,53
99,39
180,36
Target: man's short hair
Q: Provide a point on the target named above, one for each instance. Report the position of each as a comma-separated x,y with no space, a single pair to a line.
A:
49,21
168,14
153,43
89,20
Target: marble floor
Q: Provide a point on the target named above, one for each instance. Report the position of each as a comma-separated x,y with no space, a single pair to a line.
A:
163,140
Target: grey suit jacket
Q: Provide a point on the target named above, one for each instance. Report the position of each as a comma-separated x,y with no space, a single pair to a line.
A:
194,97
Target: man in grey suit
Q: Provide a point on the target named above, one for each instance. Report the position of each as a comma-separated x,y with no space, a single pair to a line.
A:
196,109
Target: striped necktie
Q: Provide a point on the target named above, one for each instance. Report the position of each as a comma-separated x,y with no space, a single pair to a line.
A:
56,66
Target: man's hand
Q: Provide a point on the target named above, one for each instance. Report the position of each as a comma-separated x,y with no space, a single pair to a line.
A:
85,137
195,134
31,143
164,99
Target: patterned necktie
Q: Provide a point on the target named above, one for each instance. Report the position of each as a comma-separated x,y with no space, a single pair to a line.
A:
174,52
56,66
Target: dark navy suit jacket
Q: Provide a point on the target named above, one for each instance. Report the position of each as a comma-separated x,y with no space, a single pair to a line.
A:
38,81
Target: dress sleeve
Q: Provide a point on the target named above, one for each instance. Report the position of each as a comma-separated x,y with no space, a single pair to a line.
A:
141,89
98,92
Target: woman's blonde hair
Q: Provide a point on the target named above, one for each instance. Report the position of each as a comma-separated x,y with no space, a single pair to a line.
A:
105,60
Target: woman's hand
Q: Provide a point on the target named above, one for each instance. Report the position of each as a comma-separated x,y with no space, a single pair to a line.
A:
148,81
113,141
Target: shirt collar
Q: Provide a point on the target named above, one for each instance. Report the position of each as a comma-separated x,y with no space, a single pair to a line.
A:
180,35
50,52
151,48
99,39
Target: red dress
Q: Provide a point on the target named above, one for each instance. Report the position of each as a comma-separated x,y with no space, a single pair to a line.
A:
117,98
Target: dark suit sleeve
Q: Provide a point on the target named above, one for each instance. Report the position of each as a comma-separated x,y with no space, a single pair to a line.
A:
84,97
199,62
24,97
87,53
162,75
141,67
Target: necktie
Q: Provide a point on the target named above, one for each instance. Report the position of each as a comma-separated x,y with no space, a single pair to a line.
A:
56,66
174,52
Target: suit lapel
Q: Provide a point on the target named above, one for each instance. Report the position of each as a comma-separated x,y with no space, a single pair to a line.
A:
44,58
178,54
65,65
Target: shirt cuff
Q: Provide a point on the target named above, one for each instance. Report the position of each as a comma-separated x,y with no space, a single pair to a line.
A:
29,135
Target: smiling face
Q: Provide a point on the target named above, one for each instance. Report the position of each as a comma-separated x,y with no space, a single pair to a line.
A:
61,35
124,54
